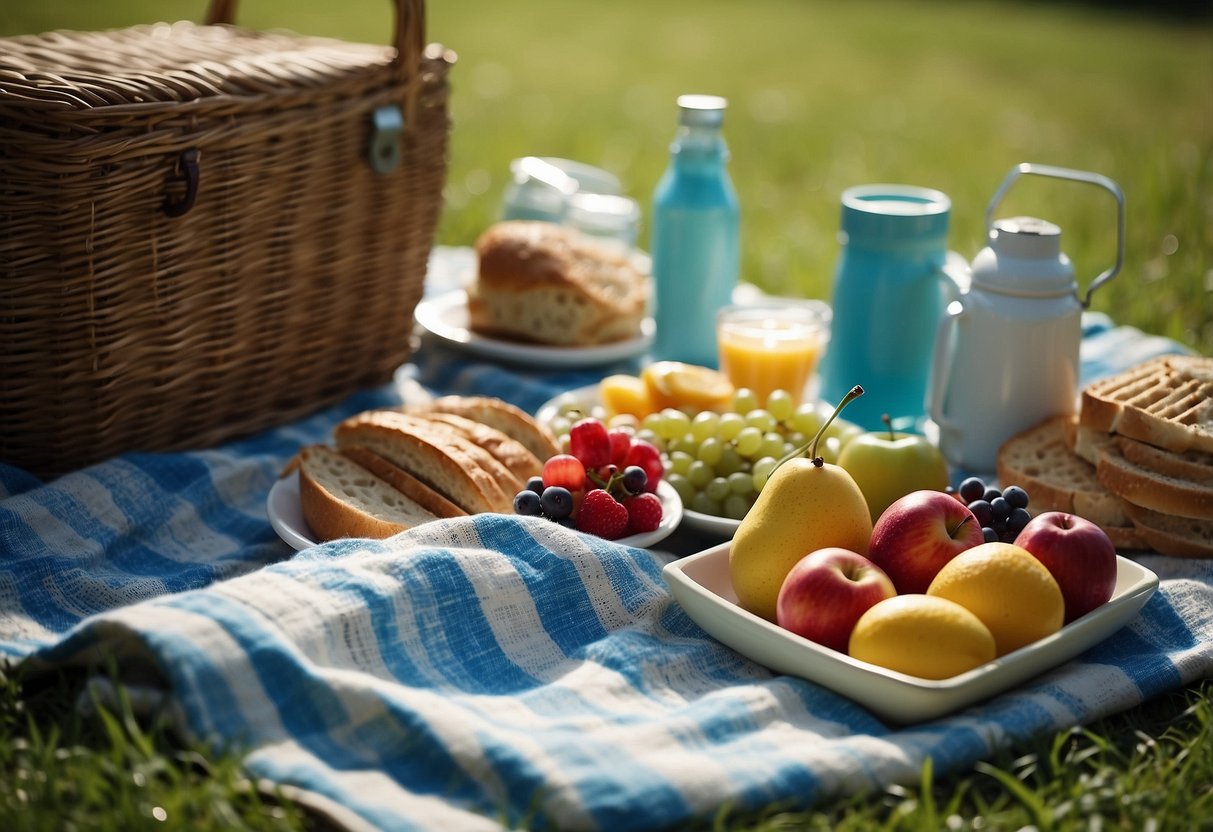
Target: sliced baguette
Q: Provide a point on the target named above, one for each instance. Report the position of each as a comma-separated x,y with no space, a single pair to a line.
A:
1166,402
404,482
444,434
510,419
340,498
1040,461
505,449
442,463
1153,490
1180,537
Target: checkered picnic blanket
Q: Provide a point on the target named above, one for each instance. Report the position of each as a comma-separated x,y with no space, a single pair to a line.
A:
492,670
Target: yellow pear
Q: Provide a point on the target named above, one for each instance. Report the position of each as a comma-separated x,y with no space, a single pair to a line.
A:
806,505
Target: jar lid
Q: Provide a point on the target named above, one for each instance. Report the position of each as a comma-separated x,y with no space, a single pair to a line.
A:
701,110
880,215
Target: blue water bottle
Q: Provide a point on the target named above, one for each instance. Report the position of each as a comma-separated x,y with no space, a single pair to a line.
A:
694,243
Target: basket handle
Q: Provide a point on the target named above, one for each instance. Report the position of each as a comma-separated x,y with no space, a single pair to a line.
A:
408,36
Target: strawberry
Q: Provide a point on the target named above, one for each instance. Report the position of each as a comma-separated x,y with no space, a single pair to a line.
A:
602,515
644,513
588,441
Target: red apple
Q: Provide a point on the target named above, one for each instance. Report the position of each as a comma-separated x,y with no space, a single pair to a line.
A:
826,591
918,534
1079,555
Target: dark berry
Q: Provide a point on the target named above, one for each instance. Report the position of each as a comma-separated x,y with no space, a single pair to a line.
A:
1018,519
972,488
535,484
557,502
528,503
635,479
989,535
1001,507
983,511
991,494
1016,496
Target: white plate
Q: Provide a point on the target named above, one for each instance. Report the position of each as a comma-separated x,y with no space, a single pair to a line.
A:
446,318
702,585
286,515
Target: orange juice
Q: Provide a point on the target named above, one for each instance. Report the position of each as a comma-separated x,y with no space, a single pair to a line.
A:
771,348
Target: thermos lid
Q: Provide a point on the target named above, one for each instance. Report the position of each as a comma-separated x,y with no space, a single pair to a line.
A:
1024,258
701,110
894,216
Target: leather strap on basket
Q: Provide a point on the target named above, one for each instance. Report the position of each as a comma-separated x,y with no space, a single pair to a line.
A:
408,36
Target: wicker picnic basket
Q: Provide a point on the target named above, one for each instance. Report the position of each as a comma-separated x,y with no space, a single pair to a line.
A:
207,230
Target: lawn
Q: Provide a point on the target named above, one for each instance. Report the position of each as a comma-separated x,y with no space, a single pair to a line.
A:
823,95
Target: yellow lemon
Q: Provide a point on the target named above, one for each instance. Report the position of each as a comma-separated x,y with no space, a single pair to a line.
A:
622,393
681,385
1007,588
927,637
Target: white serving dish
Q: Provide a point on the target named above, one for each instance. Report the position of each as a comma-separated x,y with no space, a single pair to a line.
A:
702,585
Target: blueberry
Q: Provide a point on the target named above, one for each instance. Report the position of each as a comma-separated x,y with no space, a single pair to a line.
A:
557,502
983,511
972,488
990,494
527,503
989,535
535,484
1001,507
1016,496
635,479
1018,519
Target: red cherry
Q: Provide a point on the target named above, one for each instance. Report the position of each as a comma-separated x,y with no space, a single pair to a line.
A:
621,443
588,441
564,470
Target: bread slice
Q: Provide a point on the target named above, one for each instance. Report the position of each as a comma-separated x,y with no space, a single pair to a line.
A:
510,419
339,498
551,284
1166,402
448,464
403,481
1179,537
1040,461
1151,489
508,451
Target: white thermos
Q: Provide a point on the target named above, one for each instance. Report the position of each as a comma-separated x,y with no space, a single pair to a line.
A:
1007,352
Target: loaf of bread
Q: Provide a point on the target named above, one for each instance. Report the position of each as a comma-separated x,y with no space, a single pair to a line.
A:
340,498
549,284
1042,462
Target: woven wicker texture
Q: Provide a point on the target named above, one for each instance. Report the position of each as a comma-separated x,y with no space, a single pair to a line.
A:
290,282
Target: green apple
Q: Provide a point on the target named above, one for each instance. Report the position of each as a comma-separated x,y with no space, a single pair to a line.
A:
887,465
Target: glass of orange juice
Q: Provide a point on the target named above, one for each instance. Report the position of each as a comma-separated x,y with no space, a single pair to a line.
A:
774,345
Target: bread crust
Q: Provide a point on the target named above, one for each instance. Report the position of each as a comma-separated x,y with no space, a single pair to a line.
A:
508,451
546,283
510,419
1175,536
1153,490
339,498
443,463
1166,402
404,482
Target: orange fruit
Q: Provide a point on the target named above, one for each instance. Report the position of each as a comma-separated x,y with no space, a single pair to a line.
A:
622,393
687,386
922,636
1012,593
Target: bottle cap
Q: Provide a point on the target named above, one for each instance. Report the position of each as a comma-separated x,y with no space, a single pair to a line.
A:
701,110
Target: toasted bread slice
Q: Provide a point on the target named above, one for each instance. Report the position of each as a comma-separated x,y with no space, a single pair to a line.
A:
444,463
508,451
1040,461
1166,402
1179,537
1153,490
339,498
510,419
404,482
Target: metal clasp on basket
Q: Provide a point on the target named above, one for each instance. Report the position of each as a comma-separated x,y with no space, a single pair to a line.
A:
387,126
187,165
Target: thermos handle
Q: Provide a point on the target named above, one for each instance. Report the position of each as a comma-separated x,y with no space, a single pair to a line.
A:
1077,176
941,366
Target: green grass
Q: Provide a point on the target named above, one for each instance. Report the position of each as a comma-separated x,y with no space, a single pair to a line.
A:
823,95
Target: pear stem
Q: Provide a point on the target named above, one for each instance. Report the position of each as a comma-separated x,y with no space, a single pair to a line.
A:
811,446
888,423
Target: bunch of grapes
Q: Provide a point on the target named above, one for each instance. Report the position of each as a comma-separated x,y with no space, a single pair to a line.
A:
1002,512
718,462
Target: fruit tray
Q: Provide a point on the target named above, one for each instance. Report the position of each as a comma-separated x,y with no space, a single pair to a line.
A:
701,584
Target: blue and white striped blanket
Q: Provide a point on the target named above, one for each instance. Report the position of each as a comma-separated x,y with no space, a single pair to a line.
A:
492,670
